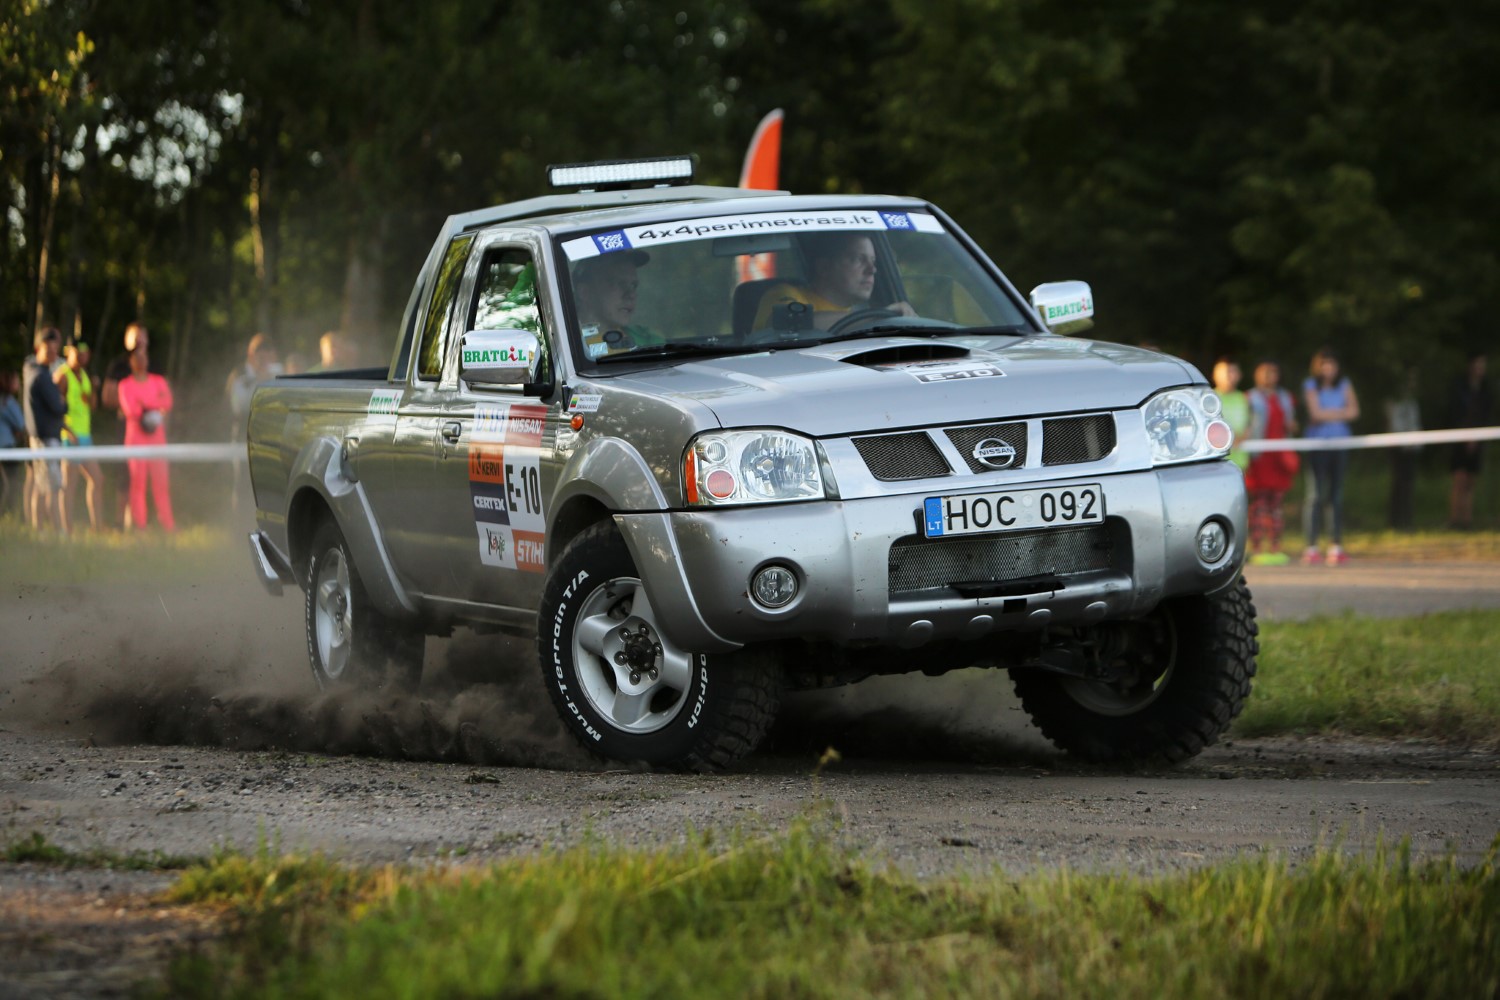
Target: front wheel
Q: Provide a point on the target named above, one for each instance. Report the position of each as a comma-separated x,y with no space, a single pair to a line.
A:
1175,683
623,688
349,642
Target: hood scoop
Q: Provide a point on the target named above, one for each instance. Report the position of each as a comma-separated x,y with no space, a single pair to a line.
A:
902,353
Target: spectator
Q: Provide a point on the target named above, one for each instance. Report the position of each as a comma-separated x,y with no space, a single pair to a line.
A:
333,353
145,400
78,392
293,364
261,363
1402,414
1270,474
108,424
12,435
1332,407
1236,406
1471,407
45,410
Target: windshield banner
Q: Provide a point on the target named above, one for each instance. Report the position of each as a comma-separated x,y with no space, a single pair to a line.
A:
646,237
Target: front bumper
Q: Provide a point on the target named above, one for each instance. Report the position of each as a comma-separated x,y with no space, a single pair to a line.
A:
698,565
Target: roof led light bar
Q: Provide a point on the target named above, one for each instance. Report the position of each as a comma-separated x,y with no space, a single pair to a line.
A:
620,173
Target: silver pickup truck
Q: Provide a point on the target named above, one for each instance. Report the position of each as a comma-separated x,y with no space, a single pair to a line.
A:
708,445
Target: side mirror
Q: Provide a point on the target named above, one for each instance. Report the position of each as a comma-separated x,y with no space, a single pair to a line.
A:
500,357
1065,306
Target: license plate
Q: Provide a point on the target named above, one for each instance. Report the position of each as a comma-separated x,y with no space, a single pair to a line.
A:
1012,510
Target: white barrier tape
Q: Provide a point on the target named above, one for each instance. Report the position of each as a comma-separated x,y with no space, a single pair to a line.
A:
236,452
1392,440
123,453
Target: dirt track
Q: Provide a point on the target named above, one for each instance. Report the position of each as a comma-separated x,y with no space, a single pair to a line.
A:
179,719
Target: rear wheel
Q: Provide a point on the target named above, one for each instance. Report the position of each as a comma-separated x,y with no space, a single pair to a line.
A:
1173,686
349,643
623,688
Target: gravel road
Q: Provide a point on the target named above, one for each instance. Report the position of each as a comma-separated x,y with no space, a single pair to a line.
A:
182,718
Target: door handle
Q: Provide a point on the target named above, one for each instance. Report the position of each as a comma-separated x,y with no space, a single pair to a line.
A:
452,431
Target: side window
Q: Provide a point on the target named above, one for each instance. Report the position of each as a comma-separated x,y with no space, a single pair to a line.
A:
435,326
506,298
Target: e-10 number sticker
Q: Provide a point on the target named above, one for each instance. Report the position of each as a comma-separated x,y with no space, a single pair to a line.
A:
505,482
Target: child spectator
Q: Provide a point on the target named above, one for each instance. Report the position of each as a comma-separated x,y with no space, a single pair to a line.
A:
1332,407
1271,473
145,400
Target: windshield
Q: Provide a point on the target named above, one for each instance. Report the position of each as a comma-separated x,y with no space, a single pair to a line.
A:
730,284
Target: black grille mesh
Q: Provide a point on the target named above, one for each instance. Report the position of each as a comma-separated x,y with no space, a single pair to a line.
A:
915,565
1066,440
965,438
893,457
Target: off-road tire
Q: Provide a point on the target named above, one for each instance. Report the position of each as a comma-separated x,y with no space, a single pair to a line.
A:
1203,689
349,642
697,713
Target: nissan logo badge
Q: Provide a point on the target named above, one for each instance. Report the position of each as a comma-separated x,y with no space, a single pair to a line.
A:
995,453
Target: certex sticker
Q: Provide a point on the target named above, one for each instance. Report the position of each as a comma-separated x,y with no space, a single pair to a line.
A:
712,227
947,371
505,485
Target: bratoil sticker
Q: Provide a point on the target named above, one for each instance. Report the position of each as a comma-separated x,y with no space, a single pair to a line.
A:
505,485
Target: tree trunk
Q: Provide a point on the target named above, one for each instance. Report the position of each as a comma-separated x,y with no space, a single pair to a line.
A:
49,218
362,300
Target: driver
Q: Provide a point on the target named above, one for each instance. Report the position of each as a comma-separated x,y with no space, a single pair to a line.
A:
842,277
605,289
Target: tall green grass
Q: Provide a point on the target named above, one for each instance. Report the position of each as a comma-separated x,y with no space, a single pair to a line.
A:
1433,676
799,916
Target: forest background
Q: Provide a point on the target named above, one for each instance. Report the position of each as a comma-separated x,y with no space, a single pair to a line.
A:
1255,177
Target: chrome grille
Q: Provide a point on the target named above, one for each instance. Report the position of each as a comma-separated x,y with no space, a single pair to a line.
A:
914,564
1068,440
965,438
893,457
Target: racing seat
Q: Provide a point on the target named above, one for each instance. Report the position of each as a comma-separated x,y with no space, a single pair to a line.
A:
745,301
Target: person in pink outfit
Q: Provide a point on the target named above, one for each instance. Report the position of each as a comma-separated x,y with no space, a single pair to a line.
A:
145,401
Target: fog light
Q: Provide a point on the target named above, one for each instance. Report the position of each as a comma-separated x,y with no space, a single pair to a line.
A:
1213,541
774,586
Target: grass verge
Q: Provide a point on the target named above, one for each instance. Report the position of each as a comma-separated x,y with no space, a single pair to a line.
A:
796,916
1433,676
35,848
111,556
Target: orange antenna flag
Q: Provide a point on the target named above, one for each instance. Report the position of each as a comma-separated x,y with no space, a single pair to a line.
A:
762,169
762,172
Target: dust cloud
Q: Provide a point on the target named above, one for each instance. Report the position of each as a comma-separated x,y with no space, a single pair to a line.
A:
212,660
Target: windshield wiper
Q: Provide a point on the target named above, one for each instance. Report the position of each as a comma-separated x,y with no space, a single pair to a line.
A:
677,350
904,330
885,330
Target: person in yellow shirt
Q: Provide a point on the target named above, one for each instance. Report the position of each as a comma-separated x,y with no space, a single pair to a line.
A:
841,278
78,393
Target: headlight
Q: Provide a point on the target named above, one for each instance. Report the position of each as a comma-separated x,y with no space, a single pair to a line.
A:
1183,425
736,467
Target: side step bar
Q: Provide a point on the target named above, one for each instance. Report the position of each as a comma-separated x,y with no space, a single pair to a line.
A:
273,570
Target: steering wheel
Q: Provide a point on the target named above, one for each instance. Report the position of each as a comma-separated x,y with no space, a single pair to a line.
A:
865,315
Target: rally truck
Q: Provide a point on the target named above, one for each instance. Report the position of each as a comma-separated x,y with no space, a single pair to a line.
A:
633,423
